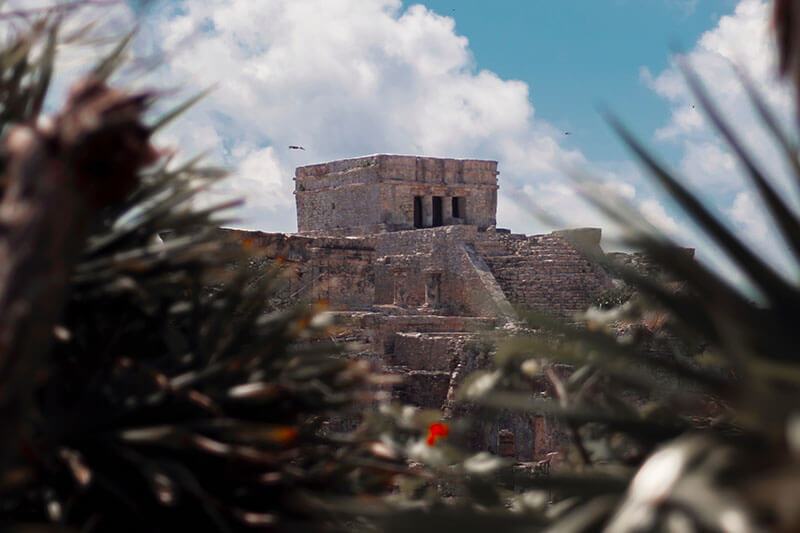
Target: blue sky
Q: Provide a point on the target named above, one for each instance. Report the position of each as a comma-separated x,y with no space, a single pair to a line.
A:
575,54
499,81
473,79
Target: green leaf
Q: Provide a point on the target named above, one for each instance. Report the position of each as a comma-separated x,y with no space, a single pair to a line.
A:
109,64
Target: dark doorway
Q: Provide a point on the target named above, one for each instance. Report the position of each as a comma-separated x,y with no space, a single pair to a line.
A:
418,211
437,211
459,205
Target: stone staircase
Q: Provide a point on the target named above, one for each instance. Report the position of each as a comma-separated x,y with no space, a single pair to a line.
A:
424,349
543,272
427,361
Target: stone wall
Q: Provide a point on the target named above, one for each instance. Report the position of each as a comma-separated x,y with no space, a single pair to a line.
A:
455,270
545,272
414,299
346,209
377,193
437,275
338,270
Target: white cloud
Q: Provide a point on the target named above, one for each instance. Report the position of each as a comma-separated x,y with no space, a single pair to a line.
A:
620,189
743,38
749,216
655,214
343,79
706,163
756,228
347,77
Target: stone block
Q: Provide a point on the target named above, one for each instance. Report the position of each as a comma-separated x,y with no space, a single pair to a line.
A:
427,351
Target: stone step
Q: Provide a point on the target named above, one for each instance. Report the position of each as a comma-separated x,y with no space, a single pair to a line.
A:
438,351
491,249
423,388
380,329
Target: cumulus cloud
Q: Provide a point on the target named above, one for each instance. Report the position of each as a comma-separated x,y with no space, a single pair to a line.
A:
109,24
742,38
342,79
655,214
748,215
348,78
755,226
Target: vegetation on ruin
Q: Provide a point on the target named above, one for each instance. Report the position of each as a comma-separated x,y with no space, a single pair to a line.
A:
146,384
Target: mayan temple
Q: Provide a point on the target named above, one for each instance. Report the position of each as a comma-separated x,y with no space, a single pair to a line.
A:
406,251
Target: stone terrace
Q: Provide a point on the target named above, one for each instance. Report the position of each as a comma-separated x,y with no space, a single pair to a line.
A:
406,252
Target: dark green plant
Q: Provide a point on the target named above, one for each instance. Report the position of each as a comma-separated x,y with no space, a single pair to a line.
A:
166,393
162,392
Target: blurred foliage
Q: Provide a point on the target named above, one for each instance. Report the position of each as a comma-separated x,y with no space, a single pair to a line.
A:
613,297
175,398
682,401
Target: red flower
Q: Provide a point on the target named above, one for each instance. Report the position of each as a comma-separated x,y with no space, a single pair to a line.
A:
437,429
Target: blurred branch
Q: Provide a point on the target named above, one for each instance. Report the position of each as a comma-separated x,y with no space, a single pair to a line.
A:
785,19
57,180
56,8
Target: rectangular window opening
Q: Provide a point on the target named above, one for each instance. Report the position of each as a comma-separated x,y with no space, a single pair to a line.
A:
459,207
437,211
418,211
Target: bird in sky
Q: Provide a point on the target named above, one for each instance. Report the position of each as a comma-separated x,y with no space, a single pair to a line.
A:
566,133
295,147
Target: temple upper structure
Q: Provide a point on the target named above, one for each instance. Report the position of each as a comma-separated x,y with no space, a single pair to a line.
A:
380,193
405,251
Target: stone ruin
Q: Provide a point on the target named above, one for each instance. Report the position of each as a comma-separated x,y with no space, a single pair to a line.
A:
381,193
406,251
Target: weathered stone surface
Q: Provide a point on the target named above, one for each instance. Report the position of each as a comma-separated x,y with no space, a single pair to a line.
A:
505,443
414,296
424,388
548,273
430,351
374,193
